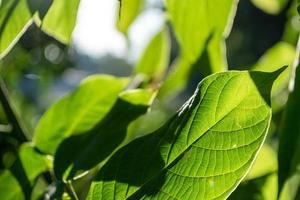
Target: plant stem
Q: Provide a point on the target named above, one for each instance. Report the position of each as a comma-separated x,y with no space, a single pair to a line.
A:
71,191
12,116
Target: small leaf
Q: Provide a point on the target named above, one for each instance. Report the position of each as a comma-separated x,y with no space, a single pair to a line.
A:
15,18
273,60
155,58
78,112
203,152
85,151
17,182
60,19
128,11
289,143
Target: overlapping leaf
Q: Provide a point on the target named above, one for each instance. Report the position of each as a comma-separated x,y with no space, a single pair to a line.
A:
203,152
17,182
201,27
270,6
82,152
78,112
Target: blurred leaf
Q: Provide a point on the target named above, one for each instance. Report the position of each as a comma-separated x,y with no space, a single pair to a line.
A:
17,182
289,146
195,27
201,38
261,188
60,19
272,60
265,163
155,58
203,152
270,6
78,112
85,151
15,18
128,11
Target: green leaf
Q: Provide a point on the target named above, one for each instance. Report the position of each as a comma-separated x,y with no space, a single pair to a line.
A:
85,151
289,143
60,19
128,11
17,182
199,23
78,112
273,60
270,6
203,152
15,18
155,58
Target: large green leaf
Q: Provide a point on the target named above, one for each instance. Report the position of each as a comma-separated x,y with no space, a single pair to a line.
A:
82,152
60,19
270,6
203,152
273,60
289,146
155,58
78,112
128,11
15,17
17,182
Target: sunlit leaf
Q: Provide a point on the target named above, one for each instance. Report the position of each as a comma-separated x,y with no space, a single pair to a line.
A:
155,58
85,151
270,6
17,182
15,17
128,11
78,112
203,152
60,19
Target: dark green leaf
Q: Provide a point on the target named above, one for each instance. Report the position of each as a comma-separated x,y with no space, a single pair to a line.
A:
203,152
289,146
17,182
78,112
82,152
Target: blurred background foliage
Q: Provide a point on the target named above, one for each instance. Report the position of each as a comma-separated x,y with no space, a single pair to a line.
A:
39,70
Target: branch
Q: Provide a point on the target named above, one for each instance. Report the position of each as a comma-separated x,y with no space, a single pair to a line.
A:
12,116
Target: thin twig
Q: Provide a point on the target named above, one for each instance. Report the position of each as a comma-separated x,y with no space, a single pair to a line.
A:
71,191
12,116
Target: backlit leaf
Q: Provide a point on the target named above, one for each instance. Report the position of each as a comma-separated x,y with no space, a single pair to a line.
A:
78,112
203,152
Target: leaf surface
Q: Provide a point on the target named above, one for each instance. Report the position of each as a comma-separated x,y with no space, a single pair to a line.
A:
155,58
203,152
85,151
270,6
60,19
78,112
128,11
15,17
